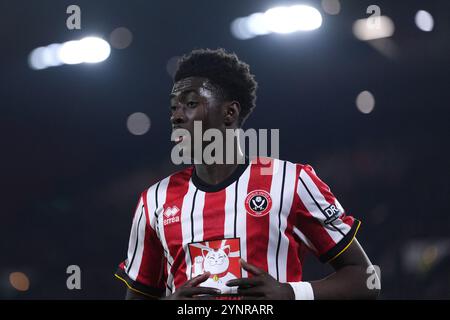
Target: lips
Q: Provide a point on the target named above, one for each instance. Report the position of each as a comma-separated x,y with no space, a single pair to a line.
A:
180,137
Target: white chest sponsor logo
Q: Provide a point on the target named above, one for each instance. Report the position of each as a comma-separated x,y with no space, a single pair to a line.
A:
171,215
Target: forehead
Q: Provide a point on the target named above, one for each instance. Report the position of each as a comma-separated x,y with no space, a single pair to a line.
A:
191,84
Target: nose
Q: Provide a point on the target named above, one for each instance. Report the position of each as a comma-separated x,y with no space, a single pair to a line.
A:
178,116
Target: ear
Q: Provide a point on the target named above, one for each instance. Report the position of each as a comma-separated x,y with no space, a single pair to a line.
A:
226,249
204,252
231,113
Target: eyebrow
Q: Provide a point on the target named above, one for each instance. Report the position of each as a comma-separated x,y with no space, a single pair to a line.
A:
184,92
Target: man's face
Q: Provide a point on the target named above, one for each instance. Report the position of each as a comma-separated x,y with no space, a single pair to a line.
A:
196,99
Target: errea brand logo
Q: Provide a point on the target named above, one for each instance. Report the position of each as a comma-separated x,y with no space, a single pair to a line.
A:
171,215
332,213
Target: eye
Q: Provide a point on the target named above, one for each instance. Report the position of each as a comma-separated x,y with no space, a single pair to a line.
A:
173,108
192,104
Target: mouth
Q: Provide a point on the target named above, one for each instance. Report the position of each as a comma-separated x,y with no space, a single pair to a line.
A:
178,139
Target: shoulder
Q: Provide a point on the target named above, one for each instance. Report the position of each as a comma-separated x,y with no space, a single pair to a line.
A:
280,163
177,178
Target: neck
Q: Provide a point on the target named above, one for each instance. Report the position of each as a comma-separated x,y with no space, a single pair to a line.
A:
216,173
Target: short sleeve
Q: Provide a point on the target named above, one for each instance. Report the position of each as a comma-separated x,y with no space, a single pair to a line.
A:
142,271
321,222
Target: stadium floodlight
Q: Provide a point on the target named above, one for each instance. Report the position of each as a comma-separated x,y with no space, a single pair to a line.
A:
86,50
257,24
69,53
281,20
94,50
291,19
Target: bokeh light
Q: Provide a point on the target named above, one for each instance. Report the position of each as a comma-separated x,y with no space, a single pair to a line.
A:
332,7
291,19
365,102
94,50
373,28
86,50
281,20
19,281
424,21
138,123
121,38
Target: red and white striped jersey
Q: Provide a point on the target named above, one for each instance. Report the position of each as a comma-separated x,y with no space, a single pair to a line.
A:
269,214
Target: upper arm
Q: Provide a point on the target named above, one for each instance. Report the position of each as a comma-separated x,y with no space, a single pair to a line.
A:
326,228
321,222
143,270
354,255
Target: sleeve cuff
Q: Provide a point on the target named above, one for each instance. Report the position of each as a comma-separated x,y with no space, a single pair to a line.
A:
342,245
137,286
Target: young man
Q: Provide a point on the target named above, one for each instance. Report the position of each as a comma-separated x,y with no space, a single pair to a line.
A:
238,228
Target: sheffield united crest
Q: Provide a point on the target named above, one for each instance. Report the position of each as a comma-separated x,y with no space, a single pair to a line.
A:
258,203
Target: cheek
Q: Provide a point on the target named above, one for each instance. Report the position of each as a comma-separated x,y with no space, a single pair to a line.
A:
196,114
213,118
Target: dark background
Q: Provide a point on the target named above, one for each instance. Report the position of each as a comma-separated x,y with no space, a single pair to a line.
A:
71,173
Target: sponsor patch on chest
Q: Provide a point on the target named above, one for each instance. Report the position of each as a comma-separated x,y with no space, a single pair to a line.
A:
218,257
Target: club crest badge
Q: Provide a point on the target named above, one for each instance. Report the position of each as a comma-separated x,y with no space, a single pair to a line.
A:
258,203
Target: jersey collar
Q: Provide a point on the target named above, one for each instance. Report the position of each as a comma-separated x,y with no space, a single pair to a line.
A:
206,187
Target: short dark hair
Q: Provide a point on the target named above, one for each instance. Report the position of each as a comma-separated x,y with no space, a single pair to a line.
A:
224,70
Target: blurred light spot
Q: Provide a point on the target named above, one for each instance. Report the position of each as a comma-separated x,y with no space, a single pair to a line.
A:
50,55
277,20
19,281
365,102
172,66
121,38
94,50
256,24
36,59
424,20
291,19
332,7
138,123
87,50
44,57
240,30
373,28
69,53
